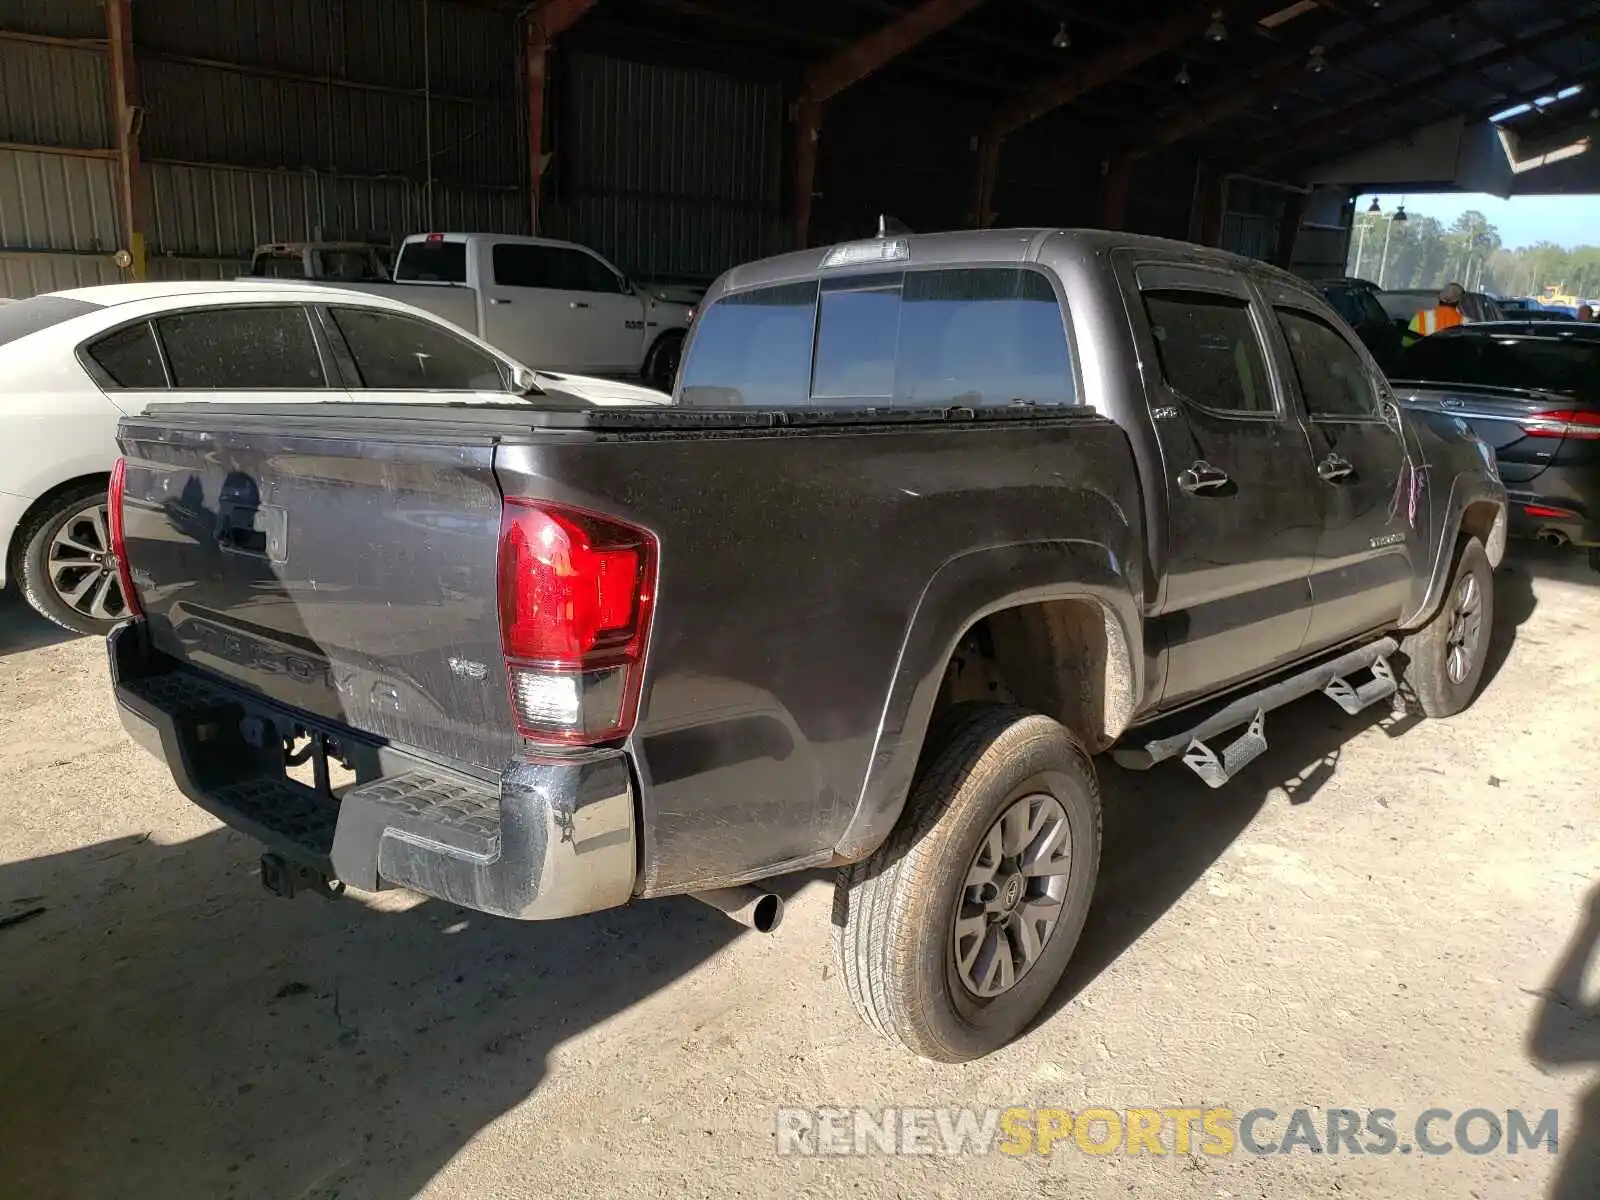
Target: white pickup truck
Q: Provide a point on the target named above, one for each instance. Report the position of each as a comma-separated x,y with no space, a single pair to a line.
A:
552,305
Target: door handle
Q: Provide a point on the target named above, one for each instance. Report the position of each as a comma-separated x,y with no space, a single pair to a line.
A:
498,300
1333,468
1202,478
577,304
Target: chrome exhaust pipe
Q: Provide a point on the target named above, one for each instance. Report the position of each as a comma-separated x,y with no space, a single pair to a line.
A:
1552,537
756,907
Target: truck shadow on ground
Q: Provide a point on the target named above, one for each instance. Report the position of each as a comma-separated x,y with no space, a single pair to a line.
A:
1566,1034
1163,828
171,1031
23,629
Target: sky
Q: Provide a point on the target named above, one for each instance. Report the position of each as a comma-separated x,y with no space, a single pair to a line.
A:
1521,220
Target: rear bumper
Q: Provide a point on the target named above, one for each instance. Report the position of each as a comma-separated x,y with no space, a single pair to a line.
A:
549,840
1572,513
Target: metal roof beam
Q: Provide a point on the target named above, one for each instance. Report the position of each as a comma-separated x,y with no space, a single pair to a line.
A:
1275,76
825,79
1334,122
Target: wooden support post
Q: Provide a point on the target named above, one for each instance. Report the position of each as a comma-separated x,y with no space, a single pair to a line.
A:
545,24
125,120
983,213
1114,193
1294,211
807,124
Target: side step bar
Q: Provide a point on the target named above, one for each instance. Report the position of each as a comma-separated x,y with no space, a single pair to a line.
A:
1217,767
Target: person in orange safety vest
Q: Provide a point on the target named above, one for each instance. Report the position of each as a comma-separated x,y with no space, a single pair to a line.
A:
1445,315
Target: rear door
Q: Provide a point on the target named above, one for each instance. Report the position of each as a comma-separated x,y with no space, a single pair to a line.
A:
1244,506
1374,526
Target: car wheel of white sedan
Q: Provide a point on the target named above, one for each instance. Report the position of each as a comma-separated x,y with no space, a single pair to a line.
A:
69,574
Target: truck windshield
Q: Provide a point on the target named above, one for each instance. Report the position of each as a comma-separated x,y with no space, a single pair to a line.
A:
19,319
969,336
432,262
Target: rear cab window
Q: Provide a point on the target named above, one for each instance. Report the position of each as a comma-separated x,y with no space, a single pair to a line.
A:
980,337
432,262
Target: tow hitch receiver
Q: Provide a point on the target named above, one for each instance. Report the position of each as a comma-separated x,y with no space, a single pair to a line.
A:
288,879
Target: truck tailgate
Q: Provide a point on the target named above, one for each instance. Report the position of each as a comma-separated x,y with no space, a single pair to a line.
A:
347,572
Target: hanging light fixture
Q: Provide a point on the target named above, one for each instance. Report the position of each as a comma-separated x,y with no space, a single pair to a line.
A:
1374,207
1216,31
1318,62
1062,39
1400,217
1182,77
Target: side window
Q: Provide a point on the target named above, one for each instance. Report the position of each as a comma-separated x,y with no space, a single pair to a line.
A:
401,353
1334,379
525,266
752,348
1442,359
1209,351
591,275
130,357
252,348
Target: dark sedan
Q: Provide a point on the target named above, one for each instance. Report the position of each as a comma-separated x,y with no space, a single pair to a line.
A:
1531,390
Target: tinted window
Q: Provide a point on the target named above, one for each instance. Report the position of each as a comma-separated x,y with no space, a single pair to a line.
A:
857,332
130,357
350,266
591,275
1543,364
403,353
753,348
1346,301
1208,350
432,262
241,348
1333,378
525,266
22,317
988,336
1442,360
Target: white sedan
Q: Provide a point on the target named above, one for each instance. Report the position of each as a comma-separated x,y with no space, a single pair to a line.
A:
74,362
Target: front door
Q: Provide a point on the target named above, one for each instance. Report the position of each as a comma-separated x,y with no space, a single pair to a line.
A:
1243,508
527,315
1375,520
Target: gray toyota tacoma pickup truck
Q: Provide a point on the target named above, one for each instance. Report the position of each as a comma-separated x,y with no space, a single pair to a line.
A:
934,521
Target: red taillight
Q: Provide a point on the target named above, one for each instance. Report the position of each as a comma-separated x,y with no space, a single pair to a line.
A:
1539,510
119,548
433,237
1563,422
575,593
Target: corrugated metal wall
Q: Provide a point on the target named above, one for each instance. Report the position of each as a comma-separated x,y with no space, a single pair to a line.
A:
667,170
261,122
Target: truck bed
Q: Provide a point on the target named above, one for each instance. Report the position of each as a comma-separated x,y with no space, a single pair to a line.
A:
340,561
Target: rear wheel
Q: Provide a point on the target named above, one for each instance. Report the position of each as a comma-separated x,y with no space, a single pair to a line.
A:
1445,658
68,572
957,930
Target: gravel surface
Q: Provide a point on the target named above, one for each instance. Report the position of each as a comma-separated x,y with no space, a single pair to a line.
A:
1375,915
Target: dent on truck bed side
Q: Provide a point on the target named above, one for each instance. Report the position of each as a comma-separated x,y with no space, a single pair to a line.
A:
973,585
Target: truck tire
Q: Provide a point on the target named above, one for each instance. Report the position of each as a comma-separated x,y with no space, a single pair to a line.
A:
1001,833
66,570
661,369
1445,658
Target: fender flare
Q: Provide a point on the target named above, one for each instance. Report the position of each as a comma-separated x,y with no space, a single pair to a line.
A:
965,589
1466,489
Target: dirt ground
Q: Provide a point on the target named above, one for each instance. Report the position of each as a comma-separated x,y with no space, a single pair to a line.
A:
1372,916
